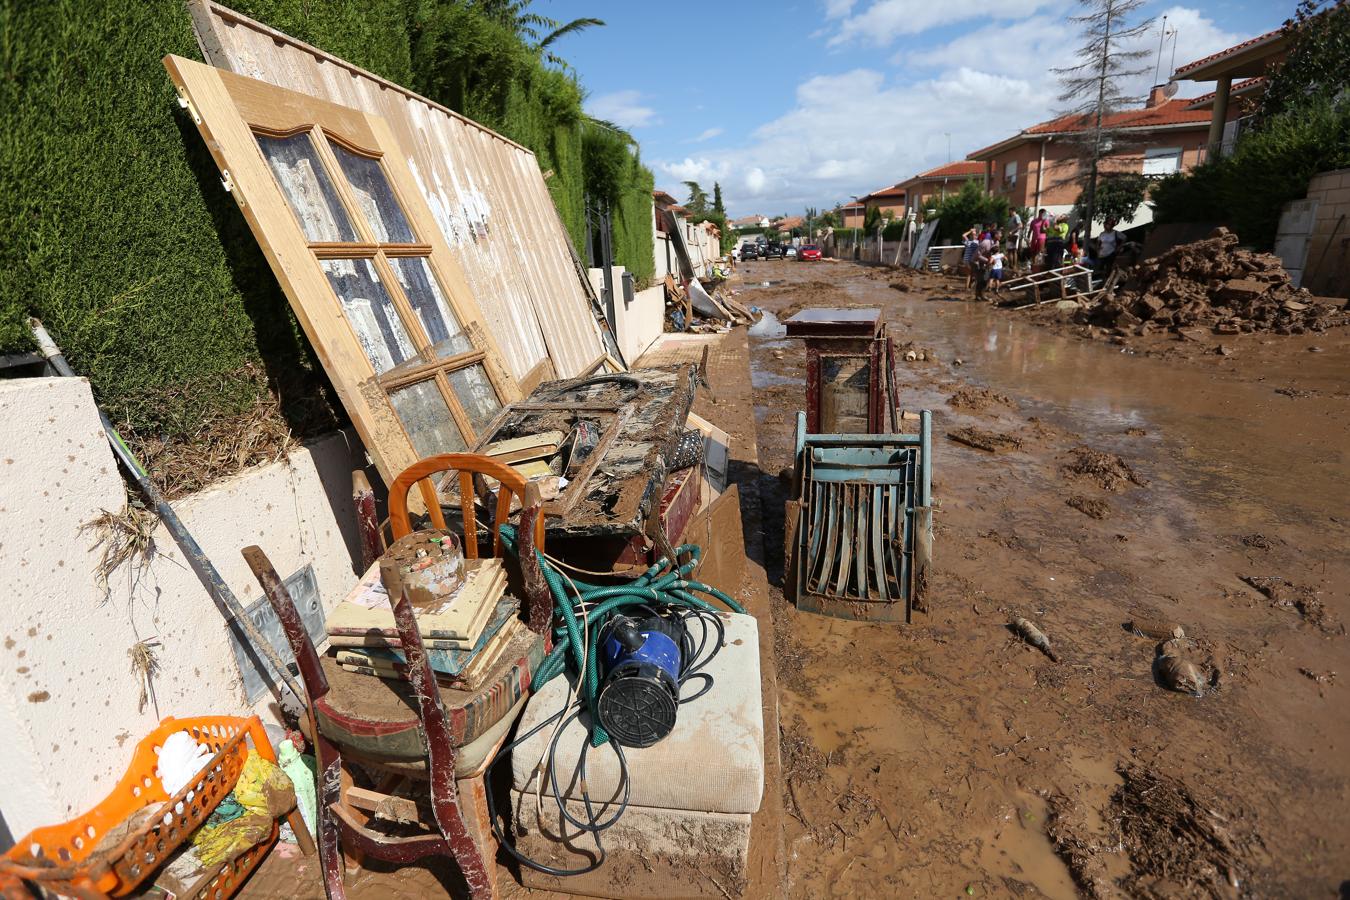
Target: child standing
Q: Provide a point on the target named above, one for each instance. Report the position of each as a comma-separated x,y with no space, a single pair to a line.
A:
996,261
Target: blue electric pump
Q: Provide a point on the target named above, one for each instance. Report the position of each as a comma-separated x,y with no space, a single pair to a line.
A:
640,695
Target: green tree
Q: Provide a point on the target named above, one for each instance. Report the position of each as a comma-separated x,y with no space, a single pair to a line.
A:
1319,48
1093,84
718,206
829,219
970,206
1269,167
698,199
1119,196
872,219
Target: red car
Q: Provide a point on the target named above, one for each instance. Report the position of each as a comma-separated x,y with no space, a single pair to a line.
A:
810,251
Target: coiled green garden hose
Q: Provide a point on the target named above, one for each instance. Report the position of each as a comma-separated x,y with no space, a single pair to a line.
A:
663,584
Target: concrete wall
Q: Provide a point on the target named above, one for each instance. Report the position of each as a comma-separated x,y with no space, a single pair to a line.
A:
1327,266
68,698
663,255
640,322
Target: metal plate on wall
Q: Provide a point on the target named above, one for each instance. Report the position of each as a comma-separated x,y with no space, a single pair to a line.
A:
257,672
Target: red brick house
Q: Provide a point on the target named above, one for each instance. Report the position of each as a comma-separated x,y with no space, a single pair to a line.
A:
1040,166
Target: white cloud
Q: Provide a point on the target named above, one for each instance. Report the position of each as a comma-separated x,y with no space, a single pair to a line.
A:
706,135
885,20
858,131
837,9
1033,46
623,108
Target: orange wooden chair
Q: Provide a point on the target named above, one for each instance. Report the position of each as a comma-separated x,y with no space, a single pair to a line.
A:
380,733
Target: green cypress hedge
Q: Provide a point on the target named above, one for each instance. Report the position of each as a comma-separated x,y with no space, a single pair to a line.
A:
118,234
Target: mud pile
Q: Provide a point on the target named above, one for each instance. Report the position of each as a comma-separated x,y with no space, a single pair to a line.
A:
1213,283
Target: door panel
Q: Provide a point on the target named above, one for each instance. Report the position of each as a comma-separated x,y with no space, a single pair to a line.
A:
329,197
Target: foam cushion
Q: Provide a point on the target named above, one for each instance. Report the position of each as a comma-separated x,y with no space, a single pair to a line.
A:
713,761
670,854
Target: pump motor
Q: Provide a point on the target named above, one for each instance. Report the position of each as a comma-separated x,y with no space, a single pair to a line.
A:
640,696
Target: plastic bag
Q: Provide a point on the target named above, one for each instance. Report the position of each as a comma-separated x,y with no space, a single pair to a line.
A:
266,793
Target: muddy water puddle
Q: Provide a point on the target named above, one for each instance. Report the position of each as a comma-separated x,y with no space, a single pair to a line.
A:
1238,440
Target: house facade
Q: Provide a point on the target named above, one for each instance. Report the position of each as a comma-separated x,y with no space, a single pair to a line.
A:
1239,76
851,215
890,200
1042,166
936,183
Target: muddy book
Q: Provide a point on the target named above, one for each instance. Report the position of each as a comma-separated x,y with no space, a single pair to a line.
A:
470,678
366,612
445,662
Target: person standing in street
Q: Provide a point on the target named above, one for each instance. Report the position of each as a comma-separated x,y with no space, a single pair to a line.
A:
1109,243
1013,235
1056,241
1039,227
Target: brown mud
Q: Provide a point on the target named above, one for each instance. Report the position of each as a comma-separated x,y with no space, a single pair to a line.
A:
950,758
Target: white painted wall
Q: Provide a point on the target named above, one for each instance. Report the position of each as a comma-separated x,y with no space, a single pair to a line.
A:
640,322
68,698
663,255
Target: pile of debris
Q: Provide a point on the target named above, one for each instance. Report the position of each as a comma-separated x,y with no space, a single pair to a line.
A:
1212,283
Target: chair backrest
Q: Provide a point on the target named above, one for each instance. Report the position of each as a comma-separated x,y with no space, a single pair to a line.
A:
512,484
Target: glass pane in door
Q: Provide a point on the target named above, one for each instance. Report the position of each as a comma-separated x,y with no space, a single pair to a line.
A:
307,187
475,394
424,294
374,196
426,417
370,310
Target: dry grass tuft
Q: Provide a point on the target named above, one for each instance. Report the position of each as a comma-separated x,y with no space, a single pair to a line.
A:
223,445
128,536
145,665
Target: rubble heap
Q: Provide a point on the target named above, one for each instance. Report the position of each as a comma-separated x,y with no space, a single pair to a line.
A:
1212,283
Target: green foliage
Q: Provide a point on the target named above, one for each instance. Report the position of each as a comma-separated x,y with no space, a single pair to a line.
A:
894,230
718,206
872,219
1315,68
698,200
1268,168
117,232
1118,196
970,206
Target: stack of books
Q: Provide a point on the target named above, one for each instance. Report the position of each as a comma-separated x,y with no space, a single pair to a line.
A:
464,635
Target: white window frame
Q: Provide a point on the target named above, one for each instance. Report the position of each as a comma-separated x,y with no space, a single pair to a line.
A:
1010,174
1159,156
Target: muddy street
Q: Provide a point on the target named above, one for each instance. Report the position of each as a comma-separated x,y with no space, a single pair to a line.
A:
1119,485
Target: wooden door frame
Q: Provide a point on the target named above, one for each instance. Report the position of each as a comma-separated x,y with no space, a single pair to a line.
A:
237,107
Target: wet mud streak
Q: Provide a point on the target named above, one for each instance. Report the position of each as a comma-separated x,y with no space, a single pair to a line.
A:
949,757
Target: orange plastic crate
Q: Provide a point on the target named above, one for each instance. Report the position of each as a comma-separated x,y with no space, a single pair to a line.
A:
61,858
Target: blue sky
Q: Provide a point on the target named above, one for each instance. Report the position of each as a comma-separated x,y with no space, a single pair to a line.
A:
808,103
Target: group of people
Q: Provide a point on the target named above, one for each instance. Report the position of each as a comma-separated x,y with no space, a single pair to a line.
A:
987,256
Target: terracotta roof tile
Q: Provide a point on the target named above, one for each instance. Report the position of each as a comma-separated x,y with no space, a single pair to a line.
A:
1238,87
1229,52
959,169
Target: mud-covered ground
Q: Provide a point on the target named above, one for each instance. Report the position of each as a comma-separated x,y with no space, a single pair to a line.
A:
1121,482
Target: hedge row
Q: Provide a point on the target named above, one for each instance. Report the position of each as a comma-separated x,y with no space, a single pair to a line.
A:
118,235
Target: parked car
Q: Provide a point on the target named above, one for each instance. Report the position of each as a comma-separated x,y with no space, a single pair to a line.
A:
790,253
749,251
773,251
809,252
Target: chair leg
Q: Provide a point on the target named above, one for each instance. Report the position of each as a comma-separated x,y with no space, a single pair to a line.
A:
440,746
329,793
